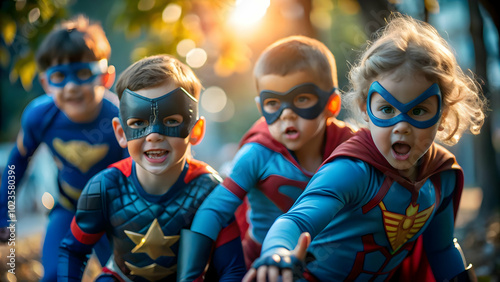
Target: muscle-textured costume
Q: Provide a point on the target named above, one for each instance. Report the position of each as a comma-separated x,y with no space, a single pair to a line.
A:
143,228
80,151
268,174
365,218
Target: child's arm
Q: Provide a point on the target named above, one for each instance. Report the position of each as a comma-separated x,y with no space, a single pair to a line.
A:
445,257
228,258
28,140
219,207
328,191
87,228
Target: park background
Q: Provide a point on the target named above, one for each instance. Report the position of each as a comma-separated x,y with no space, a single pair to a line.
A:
220,40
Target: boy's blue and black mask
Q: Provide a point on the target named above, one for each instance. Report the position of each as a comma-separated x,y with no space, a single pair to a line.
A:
424,121
288,100
154,111
78,73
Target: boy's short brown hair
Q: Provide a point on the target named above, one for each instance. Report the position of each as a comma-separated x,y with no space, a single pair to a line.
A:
298,53
155,70
75,40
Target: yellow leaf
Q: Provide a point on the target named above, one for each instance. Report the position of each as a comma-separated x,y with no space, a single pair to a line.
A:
28,72
9,29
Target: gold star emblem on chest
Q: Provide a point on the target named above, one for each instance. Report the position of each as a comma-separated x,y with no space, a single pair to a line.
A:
402,227
154,243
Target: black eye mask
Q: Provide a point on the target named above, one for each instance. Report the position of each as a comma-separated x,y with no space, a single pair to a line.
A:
287,98
154,111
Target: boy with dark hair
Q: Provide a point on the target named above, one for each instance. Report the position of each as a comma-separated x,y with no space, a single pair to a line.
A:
74,120
297,80
143,202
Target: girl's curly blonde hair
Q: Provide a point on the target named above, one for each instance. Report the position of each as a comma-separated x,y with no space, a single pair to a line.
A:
416,46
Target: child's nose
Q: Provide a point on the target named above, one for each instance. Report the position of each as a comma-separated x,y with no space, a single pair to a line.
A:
288,113
71,85
155,137
402,127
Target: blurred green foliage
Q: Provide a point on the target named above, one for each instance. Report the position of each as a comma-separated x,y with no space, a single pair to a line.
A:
24,24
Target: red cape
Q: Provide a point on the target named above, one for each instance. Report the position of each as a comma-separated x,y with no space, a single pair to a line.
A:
437,159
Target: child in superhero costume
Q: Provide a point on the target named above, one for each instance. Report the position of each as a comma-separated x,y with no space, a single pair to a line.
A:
74,120
296,77
389,191
143,202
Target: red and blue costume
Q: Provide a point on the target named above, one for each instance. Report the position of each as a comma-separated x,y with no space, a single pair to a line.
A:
365,219
268,174
80,150
144,229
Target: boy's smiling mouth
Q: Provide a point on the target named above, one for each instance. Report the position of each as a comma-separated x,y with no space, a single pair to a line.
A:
401,151
156,155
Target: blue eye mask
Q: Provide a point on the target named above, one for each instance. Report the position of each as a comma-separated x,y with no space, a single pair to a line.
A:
433,90
154,111
78,73
286,100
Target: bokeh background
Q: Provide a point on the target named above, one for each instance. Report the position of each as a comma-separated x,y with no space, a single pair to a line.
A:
220,40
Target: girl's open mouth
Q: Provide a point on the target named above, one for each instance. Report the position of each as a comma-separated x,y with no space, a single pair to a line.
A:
401,151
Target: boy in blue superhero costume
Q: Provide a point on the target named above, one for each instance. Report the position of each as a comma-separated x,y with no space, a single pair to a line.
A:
297,80
74,120
143,202
383,204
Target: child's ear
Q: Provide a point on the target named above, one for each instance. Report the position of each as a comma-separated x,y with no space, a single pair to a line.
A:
109,78
42,78
334,104
363,112
198,132
119,133
257,102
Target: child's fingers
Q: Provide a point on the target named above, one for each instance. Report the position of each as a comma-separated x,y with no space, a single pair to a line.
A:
273,273
250,275
262,274
300,250
287,275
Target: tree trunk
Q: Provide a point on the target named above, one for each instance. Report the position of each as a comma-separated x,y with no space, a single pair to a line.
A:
485,155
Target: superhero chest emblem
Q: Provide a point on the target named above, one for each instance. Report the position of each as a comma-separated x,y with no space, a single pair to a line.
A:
399,228
80,154
154,244
282,191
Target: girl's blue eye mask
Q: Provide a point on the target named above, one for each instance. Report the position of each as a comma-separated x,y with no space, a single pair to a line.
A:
433,90
154,111
78,73
287,101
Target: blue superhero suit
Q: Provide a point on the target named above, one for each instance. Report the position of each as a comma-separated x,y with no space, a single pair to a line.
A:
267,173
365,218
144,229
80,151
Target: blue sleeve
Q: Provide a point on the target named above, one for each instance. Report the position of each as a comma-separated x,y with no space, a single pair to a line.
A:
73,256
327,193
445,259
28,140
219,207
86,229
229,261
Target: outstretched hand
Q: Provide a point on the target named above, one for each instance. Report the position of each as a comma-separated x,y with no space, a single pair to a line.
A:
271,273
